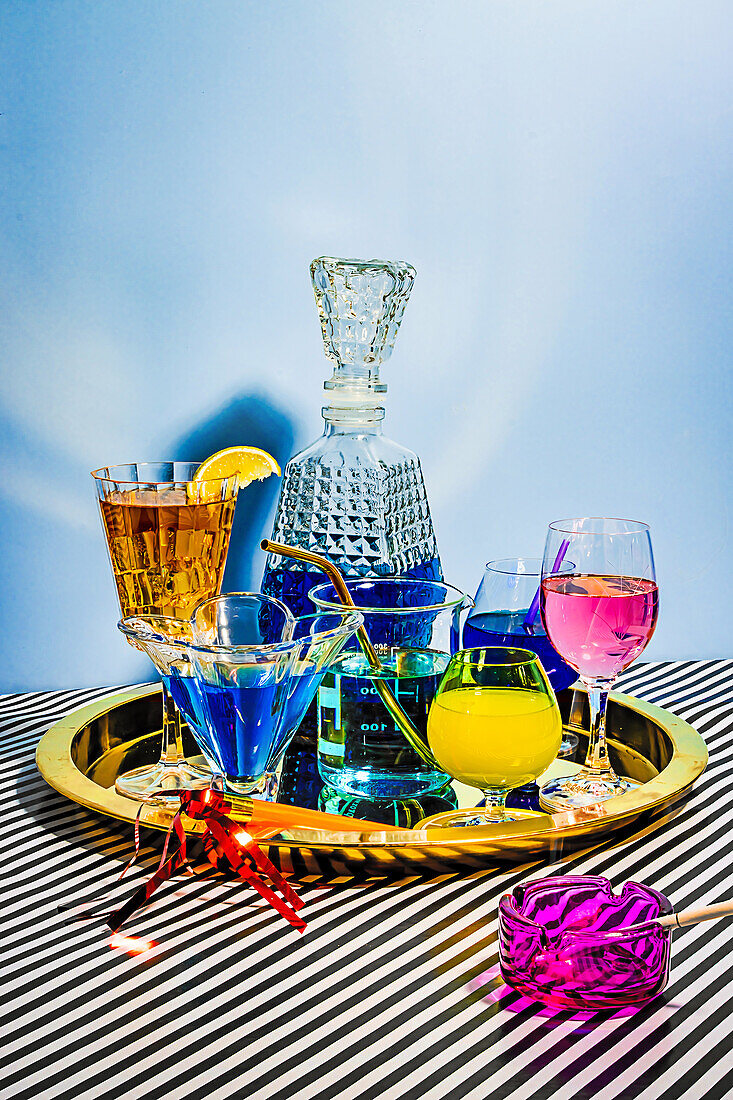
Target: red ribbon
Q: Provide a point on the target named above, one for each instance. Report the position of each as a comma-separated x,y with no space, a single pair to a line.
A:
228,846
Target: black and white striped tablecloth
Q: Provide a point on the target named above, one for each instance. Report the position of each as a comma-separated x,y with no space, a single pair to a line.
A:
392,991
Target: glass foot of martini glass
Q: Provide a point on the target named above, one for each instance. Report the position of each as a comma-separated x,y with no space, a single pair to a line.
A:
264,788
162,781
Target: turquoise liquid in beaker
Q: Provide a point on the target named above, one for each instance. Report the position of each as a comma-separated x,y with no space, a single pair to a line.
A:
361,752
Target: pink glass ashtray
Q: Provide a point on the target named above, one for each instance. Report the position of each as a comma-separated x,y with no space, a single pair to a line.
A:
568,942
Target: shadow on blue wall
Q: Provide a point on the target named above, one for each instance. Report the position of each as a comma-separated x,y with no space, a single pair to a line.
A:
249,419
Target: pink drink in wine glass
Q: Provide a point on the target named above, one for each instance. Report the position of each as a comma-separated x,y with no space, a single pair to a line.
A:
599,602
599,624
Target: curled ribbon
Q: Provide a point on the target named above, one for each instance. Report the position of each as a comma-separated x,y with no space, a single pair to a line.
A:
228,846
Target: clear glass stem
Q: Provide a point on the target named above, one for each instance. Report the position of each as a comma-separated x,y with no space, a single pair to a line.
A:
495,799
597,761
172,750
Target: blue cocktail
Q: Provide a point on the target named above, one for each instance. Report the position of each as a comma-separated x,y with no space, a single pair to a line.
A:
501,616
253,693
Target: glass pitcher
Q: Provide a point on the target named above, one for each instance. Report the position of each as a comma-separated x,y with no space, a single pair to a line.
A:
414,626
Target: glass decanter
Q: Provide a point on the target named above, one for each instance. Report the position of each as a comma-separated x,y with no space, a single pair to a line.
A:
354,496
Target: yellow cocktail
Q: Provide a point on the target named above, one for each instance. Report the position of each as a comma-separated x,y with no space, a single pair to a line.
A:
493,724
494,737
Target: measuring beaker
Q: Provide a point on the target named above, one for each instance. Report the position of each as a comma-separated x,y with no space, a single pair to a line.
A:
414,626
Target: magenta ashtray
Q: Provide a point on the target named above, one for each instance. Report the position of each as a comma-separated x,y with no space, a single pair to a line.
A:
568,942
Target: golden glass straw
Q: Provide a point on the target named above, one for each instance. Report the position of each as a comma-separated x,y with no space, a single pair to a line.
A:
407,727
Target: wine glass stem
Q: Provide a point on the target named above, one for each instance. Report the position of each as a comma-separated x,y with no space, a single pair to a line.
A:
172,750
597,760
495,798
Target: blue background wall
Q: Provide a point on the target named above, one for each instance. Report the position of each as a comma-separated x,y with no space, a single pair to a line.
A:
560,175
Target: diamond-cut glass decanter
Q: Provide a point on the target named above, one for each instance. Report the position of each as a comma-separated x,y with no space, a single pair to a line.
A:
354,495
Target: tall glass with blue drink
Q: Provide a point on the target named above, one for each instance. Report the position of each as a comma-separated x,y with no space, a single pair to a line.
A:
502,616
506,613
414,626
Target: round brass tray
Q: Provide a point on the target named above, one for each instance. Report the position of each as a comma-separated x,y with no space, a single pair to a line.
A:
82,755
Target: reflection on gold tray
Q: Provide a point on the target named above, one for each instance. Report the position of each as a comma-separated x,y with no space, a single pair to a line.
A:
82,755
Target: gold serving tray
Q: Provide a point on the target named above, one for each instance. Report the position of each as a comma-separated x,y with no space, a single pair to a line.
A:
81,756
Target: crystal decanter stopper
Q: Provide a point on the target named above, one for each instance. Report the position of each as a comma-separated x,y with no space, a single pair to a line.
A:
360,307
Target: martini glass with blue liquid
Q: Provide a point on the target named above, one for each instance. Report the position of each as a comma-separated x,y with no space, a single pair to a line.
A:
254,681
244,709
166,641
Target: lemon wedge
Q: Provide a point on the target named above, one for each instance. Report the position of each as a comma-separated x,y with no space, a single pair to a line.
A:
247,463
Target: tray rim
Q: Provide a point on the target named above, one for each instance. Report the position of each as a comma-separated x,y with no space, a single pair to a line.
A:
689,758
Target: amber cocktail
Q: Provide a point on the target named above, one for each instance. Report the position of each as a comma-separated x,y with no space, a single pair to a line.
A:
167,550
167,537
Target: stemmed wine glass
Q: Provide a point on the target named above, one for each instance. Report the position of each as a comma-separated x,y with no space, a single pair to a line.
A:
599,605
493,724
506,613
167,536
